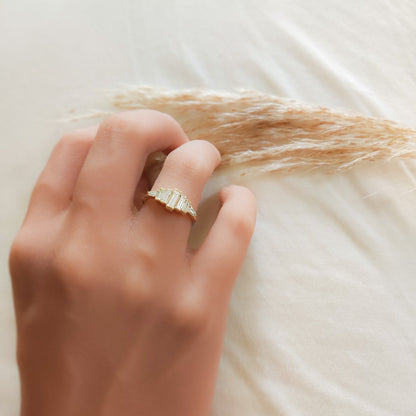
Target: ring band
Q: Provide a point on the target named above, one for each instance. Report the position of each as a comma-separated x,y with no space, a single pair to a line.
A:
173,200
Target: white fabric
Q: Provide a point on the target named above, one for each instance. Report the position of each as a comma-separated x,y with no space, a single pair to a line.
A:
323,316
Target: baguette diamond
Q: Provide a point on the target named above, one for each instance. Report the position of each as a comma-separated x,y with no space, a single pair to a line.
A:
165,195
181,203
162,195
173,200
185,206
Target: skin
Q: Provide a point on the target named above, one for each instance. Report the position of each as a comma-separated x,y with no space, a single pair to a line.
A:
115,314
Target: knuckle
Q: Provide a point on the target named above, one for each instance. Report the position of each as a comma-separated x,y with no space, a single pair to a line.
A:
190,162
192,165
189,314
84,205
45,186
146,256
136,291
30,249
136,127
140,120
122,129
115,124
242,191
29,254
205,147
162,118
149,117
75,139
66,140
72,266
69,140
22,252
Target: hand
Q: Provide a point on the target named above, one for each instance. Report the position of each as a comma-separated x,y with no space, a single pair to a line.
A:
115,314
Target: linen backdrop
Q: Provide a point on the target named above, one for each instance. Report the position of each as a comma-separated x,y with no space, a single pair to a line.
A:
323,317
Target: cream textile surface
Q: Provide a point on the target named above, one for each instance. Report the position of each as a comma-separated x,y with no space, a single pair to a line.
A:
323,316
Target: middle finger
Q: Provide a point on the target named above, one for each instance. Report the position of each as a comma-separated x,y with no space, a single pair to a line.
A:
108,179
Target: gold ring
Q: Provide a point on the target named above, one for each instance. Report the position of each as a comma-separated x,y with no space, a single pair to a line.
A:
173,200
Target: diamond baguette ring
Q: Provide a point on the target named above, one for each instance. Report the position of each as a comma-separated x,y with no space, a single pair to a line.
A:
173,200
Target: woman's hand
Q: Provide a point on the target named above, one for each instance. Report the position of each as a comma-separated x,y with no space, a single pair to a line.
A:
115,315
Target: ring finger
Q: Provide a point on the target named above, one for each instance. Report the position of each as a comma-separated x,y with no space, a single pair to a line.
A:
186,168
